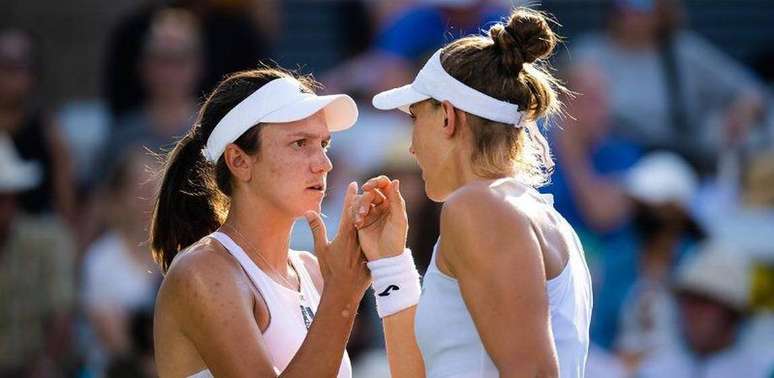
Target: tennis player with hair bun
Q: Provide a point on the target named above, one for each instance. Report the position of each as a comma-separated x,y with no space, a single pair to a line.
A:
508,292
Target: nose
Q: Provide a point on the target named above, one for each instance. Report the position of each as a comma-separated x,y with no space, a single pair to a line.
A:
322,163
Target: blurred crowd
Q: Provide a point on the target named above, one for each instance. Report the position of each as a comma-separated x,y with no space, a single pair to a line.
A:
665,167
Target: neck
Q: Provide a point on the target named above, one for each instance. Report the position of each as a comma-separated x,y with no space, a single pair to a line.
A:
261,229
463,171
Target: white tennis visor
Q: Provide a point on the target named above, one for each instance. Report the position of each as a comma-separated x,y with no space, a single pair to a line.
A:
433,81
278,101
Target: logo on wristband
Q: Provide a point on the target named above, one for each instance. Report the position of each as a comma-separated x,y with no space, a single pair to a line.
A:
386,291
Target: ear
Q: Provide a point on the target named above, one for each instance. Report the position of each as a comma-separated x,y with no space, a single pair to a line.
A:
451,118
238,162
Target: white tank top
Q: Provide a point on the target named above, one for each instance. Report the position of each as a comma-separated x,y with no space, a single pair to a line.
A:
290,313
447,336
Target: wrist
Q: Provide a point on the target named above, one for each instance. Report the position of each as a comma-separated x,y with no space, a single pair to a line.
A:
390,252
340,300
395,282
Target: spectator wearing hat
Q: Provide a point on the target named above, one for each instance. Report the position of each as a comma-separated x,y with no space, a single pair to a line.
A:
713,293
634,315
36,278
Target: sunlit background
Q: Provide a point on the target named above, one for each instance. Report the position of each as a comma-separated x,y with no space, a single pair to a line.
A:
665,163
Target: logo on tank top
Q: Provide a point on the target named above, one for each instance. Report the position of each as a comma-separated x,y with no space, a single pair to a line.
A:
386,291
308,315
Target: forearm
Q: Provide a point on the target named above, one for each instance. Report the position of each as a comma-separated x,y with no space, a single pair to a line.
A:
403,353
323,349
588,187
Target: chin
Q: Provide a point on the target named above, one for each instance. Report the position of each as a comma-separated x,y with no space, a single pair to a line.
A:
434,194
310,205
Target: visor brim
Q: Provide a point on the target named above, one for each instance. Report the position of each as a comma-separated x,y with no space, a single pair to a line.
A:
398,98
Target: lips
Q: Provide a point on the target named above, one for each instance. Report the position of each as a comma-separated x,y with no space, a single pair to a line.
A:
317,187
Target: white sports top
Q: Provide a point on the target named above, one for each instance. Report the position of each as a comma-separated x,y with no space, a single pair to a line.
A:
448,337
288,326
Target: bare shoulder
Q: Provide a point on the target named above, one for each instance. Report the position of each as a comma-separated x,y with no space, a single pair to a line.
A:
312,266
201,273
477,222
479,209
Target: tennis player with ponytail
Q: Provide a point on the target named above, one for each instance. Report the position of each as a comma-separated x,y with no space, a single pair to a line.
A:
235,301
508,292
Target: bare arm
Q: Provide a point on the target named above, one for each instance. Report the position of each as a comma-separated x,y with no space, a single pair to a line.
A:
214,306
586,186
403,353
215,312
382,233
495,255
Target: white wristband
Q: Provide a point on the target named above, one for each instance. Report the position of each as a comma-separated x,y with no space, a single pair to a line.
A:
396,283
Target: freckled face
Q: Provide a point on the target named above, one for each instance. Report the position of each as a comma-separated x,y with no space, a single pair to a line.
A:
293,164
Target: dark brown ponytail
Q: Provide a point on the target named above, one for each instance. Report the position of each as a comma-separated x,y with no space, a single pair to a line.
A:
194,195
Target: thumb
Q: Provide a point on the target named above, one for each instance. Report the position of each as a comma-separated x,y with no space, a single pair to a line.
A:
319,232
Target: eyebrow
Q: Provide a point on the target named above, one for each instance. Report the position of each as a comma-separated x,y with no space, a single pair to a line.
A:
307,135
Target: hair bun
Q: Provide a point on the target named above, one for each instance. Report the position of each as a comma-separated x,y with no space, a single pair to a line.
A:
526,38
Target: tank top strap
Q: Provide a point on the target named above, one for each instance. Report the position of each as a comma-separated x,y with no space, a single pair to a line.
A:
261,281
433,257
308,287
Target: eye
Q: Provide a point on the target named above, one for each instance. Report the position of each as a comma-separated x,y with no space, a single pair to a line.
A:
299,143
326,144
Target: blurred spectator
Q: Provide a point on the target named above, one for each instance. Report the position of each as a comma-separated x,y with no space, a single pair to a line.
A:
412,34
592,160
120,278
231,41
669,88
632,309
713,292
170,67
36,279
663,186
34,133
